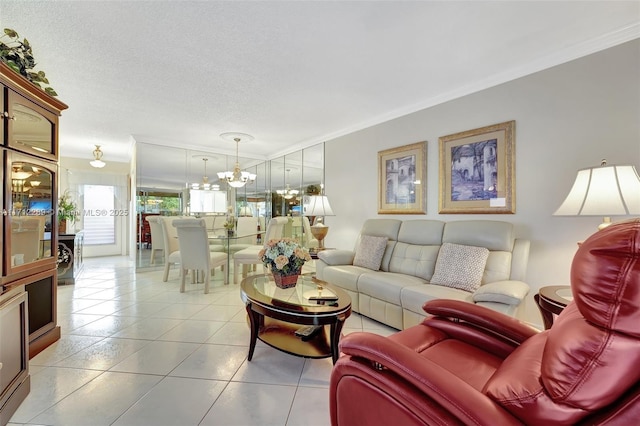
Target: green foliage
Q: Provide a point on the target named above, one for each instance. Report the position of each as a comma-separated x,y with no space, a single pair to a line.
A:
67,209
19,57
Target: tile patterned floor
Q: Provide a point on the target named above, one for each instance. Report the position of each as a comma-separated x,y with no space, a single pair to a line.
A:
136,351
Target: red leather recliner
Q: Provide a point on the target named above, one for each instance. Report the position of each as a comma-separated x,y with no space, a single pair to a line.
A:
469,365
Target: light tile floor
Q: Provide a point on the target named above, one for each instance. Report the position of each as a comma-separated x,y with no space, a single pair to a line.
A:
136,351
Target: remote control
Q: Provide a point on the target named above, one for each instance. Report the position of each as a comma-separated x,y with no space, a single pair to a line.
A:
308,331
320,300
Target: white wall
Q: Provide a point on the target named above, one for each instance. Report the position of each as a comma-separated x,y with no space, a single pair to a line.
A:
567,117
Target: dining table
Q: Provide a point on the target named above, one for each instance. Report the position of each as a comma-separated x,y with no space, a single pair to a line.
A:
227,239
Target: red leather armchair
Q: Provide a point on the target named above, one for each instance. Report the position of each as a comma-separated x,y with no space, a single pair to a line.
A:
469,365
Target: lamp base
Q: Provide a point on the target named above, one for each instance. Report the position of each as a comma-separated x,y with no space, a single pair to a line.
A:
606,221
319,231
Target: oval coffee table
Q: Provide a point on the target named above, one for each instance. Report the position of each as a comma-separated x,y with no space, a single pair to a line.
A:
277,314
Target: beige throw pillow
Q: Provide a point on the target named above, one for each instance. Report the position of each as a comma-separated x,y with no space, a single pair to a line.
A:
370,251
460,266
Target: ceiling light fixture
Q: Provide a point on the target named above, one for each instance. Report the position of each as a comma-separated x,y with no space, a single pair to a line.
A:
237,178
97,161
17,172
205,179
287,193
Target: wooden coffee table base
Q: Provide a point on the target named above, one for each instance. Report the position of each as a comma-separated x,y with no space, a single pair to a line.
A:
280,334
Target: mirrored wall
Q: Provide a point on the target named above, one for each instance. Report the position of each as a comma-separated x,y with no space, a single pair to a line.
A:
181,182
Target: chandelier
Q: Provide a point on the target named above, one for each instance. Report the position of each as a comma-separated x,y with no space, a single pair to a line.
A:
237,178
205,180
97,158
287,193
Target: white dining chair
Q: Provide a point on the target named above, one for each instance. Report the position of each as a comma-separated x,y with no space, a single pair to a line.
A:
249,255
157,236
194,251
245,226
171,246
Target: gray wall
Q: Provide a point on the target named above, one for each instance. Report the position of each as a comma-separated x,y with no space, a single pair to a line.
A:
567,117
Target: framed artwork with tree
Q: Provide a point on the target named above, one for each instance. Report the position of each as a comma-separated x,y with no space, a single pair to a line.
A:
477,170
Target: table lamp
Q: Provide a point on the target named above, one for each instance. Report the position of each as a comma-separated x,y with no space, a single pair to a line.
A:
318,206
603,191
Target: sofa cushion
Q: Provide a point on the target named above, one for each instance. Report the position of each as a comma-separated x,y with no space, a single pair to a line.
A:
413,259
370,251
460,266
386,286
413,297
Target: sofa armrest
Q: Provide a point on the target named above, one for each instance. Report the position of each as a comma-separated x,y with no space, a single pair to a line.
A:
484,318
451,392
337,257
509,292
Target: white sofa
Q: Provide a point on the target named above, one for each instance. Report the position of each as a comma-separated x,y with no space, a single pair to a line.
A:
395,293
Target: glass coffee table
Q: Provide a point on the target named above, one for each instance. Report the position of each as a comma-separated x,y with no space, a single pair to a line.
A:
305,320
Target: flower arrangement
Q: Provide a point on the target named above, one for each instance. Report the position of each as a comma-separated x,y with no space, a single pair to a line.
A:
230,223
284,256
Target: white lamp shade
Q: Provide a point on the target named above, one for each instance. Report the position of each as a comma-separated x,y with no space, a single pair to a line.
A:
317,205
603,191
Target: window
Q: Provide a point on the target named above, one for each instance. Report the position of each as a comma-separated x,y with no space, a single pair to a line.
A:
99,217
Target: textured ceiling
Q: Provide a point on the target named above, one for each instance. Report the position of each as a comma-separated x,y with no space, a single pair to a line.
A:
180,73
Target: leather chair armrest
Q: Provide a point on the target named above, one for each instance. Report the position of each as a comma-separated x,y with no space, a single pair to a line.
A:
337,257
509,292
452,393
484,318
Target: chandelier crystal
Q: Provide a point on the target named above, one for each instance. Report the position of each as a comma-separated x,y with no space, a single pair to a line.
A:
237,178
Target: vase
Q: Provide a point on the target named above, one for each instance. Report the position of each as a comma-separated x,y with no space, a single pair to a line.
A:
286,281
62,227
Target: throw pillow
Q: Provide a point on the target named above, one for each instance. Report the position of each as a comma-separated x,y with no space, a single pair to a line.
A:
460,266
370,251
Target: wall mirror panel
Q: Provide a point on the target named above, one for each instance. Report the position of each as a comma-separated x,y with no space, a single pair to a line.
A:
176,181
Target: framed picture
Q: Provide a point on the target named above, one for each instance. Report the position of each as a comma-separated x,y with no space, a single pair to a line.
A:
401,179
477,170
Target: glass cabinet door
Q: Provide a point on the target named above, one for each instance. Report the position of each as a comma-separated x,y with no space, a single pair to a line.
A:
30,210
31,129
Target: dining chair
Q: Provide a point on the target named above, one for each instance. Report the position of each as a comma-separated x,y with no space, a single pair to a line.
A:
194,251
249,255
157,236
245,226
171,247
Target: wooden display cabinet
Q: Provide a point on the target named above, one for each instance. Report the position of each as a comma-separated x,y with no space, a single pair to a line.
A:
28,296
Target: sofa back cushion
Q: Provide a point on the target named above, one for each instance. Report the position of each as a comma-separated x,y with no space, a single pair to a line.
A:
417,248
498,237
498,267
494,235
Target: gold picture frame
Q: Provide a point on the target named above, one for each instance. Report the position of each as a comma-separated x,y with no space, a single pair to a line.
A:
402,182
477,170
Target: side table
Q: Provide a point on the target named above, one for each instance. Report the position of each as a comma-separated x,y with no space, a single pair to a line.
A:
551,301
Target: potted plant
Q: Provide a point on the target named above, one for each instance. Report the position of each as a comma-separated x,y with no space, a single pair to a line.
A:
285,258
19,57
67,211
